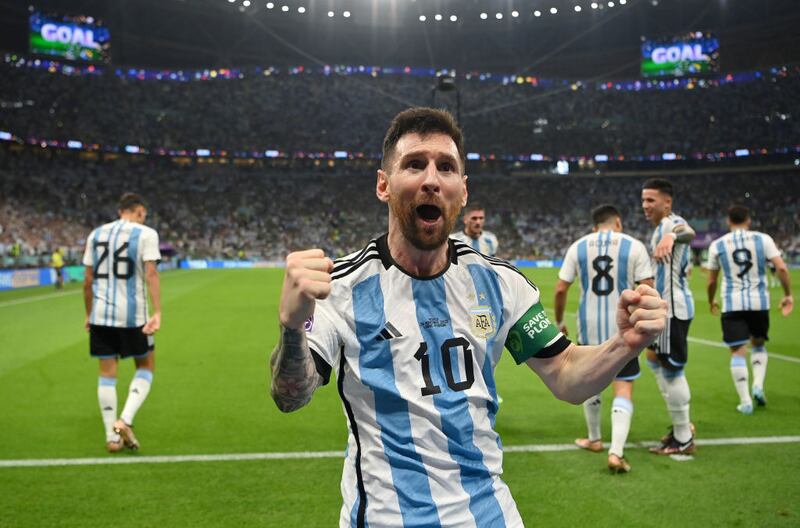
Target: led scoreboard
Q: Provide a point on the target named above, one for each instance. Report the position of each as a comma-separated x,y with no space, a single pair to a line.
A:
73,38
695,53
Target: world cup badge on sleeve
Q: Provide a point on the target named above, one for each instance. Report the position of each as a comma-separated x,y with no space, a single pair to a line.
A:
482,322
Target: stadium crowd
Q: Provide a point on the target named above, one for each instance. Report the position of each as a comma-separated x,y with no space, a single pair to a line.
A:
234,212
313,112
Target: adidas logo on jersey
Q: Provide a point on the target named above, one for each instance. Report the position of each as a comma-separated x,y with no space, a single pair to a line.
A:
388,332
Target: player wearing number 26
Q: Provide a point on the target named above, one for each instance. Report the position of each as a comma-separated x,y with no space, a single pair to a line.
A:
413,326
743,255
120,258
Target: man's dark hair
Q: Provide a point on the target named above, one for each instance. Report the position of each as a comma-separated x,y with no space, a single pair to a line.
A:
738,214
603,213
659,184
422,121
472,206
129,201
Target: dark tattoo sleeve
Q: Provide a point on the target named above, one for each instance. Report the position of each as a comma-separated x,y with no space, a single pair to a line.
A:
294,373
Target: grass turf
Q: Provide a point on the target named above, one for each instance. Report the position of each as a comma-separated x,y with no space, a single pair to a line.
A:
210,396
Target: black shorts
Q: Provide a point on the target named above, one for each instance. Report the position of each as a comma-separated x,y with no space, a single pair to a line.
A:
739,327
107,342
630,371
671,346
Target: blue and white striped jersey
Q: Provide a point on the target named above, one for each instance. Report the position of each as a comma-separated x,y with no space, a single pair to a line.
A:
415,361
670,276
486,243
742,256
607,262
117,252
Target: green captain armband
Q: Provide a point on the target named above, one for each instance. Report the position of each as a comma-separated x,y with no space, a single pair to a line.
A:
535,336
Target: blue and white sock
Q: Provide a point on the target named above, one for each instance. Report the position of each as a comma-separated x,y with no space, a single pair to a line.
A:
741,379
137,393
107,398
758,360
591,410
678,397
621,414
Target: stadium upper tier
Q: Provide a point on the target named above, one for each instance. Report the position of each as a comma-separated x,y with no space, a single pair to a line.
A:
293,112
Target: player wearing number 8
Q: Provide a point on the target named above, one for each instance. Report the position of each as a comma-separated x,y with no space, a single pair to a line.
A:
607,262
743,255
413,326
120,257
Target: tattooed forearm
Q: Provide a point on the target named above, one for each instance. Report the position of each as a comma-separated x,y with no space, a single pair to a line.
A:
683,234
294,374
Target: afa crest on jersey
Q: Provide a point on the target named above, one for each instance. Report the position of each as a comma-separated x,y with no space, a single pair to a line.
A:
483,324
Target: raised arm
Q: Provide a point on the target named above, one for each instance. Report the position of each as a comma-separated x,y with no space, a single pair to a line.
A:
294,374
582,371
681,234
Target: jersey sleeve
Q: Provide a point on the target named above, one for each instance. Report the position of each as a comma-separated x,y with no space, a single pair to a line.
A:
712,262
150,249
642,266
770,249
531,333
494,244
87,252
323,337
569,268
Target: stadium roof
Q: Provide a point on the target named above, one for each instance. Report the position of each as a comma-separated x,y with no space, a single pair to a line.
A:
566,38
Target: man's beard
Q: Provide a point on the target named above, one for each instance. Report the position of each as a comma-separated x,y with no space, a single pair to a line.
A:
424,238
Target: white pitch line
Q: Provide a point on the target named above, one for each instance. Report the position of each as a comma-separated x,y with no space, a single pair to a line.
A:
237,457
716,344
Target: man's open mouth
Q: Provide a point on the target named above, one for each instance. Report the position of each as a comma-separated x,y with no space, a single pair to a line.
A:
429,213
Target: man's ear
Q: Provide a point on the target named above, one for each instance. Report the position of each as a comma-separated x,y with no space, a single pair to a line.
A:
382,186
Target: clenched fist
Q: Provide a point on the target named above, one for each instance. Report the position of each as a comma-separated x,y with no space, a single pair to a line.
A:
641,316
307,278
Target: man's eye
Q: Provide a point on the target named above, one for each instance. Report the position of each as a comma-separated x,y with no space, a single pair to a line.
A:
414,164
446,167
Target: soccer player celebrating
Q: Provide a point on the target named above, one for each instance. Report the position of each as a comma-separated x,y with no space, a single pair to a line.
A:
607,262
670,252
473,234
120,258
743,256
413,325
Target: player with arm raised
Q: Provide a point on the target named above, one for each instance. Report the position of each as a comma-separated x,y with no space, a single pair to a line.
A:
743,256
413,325
667,358
120,258
607,261
473,233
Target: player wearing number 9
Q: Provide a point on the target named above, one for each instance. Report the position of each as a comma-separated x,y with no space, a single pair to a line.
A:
413,326
743,255
120,258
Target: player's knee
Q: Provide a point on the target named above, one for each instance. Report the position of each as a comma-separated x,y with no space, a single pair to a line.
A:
671,368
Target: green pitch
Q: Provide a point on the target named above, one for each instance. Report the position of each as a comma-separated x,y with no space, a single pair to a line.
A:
210,397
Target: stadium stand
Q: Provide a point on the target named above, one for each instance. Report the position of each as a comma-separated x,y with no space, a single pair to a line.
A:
221,210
